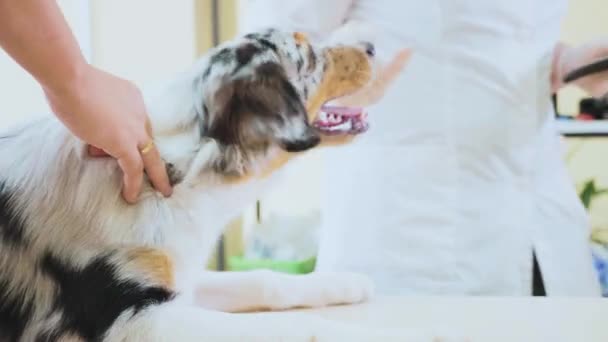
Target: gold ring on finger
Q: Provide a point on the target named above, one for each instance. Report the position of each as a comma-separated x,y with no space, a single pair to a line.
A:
148,147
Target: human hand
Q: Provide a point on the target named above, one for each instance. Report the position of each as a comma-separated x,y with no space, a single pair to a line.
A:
108,113
566,59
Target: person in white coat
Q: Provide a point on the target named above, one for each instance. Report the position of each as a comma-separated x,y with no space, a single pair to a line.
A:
459,187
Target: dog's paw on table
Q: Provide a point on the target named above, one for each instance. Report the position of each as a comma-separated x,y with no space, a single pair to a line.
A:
343,288
322,289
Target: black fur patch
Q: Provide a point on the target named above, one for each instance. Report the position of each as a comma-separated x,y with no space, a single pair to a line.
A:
11,225
268,96
288,93
245,53
267,43
175,176
15,312
204,120
207,73
221,57
312,59
263,40
91,299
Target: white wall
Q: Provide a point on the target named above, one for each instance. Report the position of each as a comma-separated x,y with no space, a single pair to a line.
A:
141,40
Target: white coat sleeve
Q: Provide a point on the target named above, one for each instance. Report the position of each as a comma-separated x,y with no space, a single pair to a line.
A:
324,21
317,18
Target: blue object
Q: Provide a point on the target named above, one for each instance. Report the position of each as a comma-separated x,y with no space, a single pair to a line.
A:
601,265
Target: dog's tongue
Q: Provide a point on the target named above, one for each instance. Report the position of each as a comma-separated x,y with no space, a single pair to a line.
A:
335,120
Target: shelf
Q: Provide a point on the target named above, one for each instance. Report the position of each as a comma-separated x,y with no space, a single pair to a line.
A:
571,128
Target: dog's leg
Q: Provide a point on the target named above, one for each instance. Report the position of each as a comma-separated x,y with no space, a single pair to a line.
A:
266,290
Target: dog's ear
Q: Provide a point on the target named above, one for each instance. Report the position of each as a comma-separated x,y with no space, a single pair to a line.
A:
262,108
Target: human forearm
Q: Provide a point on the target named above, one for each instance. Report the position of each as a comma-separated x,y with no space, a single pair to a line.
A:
568,58
103,110
37,36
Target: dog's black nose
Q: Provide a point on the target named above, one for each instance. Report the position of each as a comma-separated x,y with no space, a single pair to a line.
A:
301,145
370,50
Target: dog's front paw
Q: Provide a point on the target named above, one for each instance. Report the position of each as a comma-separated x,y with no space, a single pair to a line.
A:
339,288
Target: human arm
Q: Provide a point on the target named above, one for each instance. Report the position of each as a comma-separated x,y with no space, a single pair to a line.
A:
568,58
101,109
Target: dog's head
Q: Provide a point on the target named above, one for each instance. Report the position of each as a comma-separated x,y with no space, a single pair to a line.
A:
266,89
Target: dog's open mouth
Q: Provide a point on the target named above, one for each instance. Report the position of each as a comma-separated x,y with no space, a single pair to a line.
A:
335,120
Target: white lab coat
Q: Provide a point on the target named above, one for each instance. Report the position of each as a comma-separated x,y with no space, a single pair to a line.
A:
461,177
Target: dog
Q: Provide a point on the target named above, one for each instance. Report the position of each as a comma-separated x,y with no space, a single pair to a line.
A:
79,264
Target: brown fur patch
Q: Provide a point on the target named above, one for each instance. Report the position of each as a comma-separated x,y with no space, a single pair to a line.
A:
348,70
374,91
152,263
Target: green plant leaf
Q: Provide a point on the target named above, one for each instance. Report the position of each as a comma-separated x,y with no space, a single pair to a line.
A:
586,194
590,192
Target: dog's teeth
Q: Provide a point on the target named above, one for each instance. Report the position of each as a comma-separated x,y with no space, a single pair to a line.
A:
323,116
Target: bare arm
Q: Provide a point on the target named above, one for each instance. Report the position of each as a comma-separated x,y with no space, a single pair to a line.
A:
101,109
568,58
35,34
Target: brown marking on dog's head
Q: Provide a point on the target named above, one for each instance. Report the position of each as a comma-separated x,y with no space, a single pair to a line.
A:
375,90
347,70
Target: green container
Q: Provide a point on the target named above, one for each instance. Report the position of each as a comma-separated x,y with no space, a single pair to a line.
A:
237,263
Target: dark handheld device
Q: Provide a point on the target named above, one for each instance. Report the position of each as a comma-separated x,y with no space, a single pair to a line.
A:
596,107
598,66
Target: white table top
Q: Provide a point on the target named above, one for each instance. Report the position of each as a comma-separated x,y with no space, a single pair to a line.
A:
485,319
573,127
